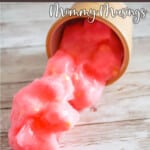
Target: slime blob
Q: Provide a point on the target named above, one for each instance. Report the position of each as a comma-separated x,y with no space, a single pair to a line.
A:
88,56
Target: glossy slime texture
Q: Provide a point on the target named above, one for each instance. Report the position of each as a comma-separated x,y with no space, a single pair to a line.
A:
89,55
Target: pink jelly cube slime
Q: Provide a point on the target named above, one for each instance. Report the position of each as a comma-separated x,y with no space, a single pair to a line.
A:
89,55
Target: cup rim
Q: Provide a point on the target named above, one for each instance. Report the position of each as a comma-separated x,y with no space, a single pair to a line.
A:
65,19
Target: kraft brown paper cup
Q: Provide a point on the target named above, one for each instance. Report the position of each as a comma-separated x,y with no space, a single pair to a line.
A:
122,27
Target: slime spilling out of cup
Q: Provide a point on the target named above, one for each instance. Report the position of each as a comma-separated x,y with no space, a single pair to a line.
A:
89,55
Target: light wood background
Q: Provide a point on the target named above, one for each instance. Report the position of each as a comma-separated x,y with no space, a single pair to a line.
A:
122,119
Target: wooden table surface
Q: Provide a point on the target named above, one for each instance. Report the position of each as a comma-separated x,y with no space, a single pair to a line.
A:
122,120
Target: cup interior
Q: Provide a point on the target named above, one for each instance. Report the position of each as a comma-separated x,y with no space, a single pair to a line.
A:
55,34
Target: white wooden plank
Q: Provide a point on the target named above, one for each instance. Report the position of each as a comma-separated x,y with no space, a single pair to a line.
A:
25,12
118,103
131,90
126,135
25,64
122,119
34,33
24,33
130,86
18,12
23,25
142,28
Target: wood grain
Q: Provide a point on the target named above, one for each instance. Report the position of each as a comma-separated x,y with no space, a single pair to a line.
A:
125,135
117,102
109,108
27,12
122,119
19,12
31,30
32,61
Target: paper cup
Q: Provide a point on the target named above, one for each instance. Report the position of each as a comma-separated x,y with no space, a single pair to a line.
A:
121,26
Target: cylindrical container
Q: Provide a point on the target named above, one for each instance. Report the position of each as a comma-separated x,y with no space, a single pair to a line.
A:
121,26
